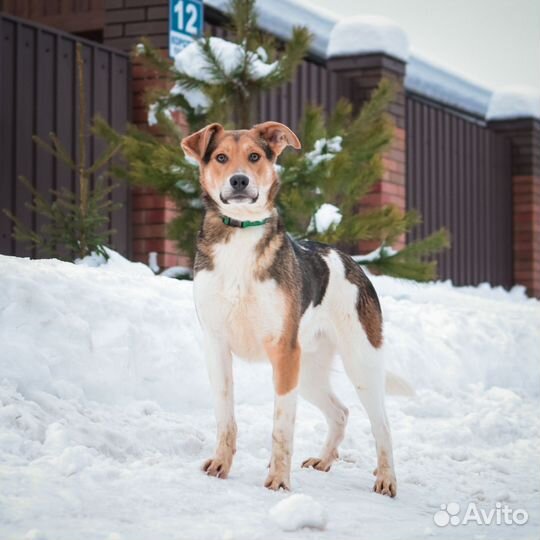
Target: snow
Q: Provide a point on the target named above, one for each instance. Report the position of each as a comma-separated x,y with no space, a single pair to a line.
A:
325,217
298,512
427,78
368,34
177,272
153,109
106,415
192,61
279,17
324,150
153,261
375,254
196,98
115,263
514,102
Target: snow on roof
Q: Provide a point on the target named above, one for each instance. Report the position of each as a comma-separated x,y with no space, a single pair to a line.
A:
514,102
332,37
428,79
279,16
368,34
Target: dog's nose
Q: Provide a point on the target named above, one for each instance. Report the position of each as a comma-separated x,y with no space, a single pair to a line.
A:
239,182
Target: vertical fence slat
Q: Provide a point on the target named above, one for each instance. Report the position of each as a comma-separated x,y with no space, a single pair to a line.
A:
44,161
119,115
24,126
7,131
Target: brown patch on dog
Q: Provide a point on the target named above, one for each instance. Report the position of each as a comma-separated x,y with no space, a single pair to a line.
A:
285,358
367,303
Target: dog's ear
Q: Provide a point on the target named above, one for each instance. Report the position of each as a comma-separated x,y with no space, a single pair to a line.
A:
199,145
278,136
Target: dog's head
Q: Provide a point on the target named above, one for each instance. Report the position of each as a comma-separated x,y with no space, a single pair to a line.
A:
237,167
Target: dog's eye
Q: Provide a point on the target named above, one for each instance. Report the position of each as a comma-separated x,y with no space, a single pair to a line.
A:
222,158
253,157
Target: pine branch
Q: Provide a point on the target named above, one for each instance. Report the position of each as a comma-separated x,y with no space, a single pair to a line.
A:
57,149
243,20
152,57
294,53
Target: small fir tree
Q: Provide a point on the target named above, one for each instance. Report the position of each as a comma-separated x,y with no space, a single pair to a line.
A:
76,224
214,80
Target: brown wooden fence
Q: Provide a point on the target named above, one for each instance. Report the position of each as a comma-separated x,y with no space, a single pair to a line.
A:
38,94
459,177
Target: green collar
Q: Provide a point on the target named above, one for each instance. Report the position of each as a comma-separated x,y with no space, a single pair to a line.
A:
243,224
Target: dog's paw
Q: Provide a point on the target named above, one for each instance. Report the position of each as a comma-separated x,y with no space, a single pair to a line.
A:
217,467
385,482
276,482
319,464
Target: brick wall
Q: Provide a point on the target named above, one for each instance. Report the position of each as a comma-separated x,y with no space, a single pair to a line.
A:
125,22
524,135
362,74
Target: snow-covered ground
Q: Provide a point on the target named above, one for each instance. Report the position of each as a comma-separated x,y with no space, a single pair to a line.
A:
106,417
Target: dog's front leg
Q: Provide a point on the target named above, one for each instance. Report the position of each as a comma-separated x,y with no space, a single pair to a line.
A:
219,364
285,360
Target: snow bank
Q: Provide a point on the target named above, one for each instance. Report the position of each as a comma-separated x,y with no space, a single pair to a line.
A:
368,34
115,263
514,102
299,512
106,414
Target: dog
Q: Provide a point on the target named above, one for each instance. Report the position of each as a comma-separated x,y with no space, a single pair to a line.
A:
261,295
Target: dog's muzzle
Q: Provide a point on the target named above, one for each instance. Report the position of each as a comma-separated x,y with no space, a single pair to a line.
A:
239,189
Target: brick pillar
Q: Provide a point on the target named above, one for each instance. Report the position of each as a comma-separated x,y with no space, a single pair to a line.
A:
359,75
524,134
125,22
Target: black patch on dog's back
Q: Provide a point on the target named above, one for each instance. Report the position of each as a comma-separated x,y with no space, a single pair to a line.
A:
368,306
314,271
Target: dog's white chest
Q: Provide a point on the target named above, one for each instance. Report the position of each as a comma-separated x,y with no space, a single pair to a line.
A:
231,300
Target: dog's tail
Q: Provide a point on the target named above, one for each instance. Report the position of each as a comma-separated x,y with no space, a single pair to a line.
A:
396,386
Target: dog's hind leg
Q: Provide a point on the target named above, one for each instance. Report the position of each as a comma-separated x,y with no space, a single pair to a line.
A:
315,388
364,365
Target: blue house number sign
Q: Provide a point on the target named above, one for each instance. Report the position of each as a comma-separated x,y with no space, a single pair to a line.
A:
185,23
